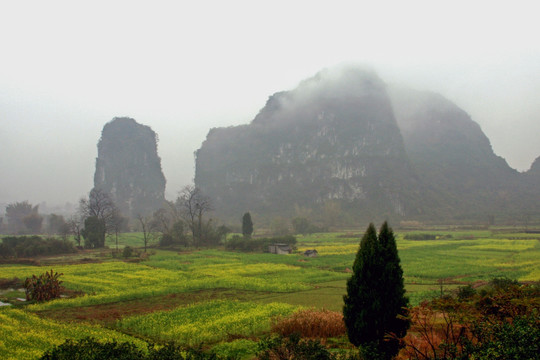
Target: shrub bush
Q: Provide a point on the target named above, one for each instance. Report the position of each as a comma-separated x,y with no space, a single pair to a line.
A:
503,283
128,252
501,322
465,292
293,347
43,287
91,349
515,340
6,251
167,240
311,323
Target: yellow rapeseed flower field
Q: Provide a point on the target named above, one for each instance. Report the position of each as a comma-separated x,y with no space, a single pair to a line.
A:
24,335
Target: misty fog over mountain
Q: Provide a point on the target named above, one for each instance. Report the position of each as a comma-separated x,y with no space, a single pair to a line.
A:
67,69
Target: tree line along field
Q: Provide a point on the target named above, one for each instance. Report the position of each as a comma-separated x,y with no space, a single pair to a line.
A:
225,299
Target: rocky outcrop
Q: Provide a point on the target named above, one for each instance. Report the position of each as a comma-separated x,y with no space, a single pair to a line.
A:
333,138
379,152
129,168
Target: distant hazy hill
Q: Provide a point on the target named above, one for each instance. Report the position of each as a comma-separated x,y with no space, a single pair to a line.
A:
535,167
345,137
453,156
128,167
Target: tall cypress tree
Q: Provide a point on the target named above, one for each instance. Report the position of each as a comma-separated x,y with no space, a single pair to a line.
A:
247,225
375,301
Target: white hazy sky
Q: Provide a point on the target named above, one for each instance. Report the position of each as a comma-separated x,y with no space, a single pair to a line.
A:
183,67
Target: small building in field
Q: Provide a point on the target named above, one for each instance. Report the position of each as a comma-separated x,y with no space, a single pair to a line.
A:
281,249
311,253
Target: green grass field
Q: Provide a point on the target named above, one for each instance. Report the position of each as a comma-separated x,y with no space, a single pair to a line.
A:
225,299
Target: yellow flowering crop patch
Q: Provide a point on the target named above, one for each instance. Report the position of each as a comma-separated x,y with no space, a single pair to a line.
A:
119,281
212,321
24,335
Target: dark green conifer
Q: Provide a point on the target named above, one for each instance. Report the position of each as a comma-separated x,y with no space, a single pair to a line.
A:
375,303
247,225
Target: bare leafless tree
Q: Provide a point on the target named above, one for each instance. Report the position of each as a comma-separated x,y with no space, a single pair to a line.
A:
116,223
100,205
75,225
193,205
147,227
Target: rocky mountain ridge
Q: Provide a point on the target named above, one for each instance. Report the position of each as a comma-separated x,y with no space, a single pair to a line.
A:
377,151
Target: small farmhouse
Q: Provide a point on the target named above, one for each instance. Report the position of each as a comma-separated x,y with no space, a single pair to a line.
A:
281,249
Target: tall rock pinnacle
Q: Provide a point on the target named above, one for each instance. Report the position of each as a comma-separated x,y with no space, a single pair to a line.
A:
129,168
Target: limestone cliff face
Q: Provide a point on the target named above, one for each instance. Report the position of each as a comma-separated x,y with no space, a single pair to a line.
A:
129,168
333,138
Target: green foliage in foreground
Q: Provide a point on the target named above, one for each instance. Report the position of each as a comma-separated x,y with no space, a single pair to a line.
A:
293,347
516,340
501,322
275,347
91,349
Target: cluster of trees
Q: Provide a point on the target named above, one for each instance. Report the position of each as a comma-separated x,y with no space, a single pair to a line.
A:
23,218
30,246
183,222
